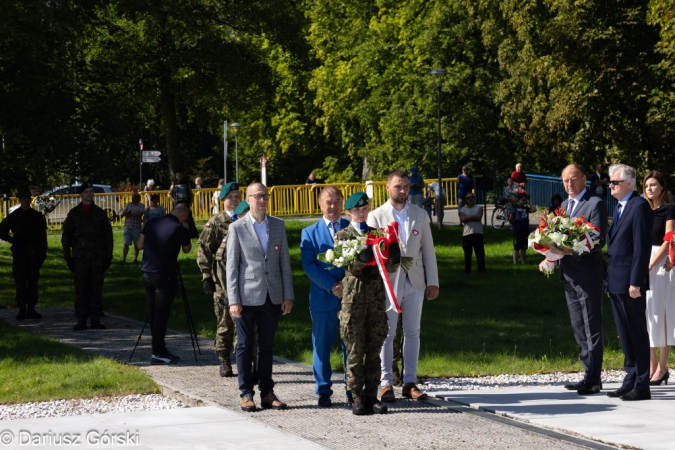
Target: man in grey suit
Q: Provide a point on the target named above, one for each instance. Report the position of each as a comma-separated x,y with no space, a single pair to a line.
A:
422,278
584,277
260,285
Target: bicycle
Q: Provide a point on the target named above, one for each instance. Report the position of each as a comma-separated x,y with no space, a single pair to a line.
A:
500,215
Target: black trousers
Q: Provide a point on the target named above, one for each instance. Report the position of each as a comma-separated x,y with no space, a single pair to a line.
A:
584,302
473,243
631,324
264,319
160,291
26,272
88,276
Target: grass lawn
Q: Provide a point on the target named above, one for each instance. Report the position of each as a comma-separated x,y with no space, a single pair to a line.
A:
35,368
511,319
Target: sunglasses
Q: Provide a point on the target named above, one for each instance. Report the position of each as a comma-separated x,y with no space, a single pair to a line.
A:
615,182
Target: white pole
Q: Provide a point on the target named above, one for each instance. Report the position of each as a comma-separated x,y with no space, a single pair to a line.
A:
263,170
225,150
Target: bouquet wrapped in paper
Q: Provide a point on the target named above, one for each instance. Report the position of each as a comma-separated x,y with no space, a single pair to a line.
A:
558,231
344,252
670,259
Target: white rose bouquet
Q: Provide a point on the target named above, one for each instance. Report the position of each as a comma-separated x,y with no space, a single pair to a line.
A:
344,252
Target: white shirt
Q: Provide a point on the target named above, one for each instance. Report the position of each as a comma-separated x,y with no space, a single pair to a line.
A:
402,218
262,232
231,214
330,227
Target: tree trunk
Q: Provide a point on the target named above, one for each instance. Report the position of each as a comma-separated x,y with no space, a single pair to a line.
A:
171,130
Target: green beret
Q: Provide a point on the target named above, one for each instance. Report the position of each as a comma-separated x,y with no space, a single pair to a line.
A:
357,199
83,186
229,187
23,194
242,208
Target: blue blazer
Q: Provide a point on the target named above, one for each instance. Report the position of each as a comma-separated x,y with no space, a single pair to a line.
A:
629,247
316,239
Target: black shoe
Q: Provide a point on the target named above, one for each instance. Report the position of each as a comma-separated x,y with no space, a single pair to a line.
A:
22,314
225,369
660,380
619,392
575,386
81,325
325,401
373,405
359,407
96,325
637,395
32,314
590,390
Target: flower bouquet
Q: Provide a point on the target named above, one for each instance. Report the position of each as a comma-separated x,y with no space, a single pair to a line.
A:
670,259
558,231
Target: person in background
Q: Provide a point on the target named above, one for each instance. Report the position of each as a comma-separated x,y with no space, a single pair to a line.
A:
520,220
556,201
162,240
311,181
466,183
241,211
148,189
181,193
628,253
440,197
471,216
511,190
201,204
599,180
416,188
133,215
87,242
519,176
659,297
154,209
215,201
29,250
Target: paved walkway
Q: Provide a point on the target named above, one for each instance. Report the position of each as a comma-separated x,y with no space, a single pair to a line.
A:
435,424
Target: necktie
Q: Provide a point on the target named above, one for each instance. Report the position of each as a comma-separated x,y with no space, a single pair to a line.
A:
363,227
234,217
570,207
333,227
615,219
619,207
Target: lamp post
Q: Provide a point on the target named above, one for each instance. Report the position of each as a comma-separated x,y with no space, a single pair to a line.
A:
235,127
438,75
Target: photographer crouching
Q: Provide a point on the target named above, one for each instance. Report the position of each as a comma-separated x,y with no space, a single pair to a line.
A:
161,241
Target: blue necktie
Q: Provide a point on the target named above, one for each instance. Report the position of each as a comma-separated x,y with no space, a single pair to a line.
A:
234,217
615,219
333,227
570,207
363,226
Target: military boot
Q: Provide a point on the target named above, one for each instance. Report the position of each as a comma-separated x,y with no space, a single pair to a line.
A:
81,325
32,314
96,325
373,405
226,367
359,406
22,314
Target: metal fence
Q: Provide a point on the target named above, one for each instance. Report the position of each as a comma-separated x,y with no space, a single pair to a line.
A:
285,201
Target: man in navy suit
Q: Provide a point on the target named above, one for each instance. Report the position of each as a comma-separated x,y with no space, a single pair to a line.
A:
628,253
584,279
325,289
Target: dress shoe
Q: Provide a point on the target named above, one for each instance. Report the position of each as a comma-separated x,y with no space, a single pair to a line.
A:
325,401
575,386
359,407
32,314
22,314
225,369
636,395
619,392
81,325
412,392
590,390
270,401
387,394
373,405
247,403
96,325
660,380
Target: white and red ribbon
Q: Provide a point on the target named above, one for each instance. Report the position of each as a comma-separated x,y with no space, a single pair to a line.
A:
389,289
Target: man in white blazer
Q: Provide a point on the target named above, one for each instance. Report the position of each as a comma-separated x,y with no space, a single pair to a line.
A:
260,286
415,241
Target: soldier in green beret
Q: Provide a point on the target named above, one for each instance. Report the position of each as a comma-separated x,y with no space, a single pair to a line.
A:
363,320
212,250
242,209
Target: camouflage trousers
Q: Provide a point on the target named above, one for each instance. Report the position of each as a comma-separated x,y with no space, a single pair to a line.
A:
224,324
363,328
88,276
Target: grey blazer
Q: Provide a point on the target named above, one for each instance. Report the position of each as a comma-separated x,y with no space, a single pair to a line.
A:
589,266
251,275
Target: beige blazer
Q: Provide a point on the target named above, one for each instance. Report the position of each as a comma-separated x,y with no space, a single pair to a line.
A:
420,245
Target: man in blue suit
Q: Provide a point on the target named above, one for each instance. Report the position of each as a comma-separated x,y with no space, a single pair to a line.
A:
325,289
628,253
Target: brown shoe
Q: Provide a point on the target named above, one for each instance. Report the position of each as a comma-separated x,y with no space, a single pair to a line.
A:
271,401
247,403
412,392
359,407
387,395
226,368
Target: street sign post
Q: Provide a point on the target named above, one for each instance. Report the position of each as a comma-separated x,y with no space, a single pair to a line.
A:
151,153
151,159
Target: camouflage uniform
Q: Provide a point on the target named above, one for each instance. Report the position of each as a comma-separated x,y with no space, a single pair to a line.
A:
363,321
29,250
212,251
91,240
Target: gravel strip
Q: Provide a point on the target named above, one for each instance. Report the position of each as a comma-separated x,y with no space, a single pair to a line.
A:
96,405
506,381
